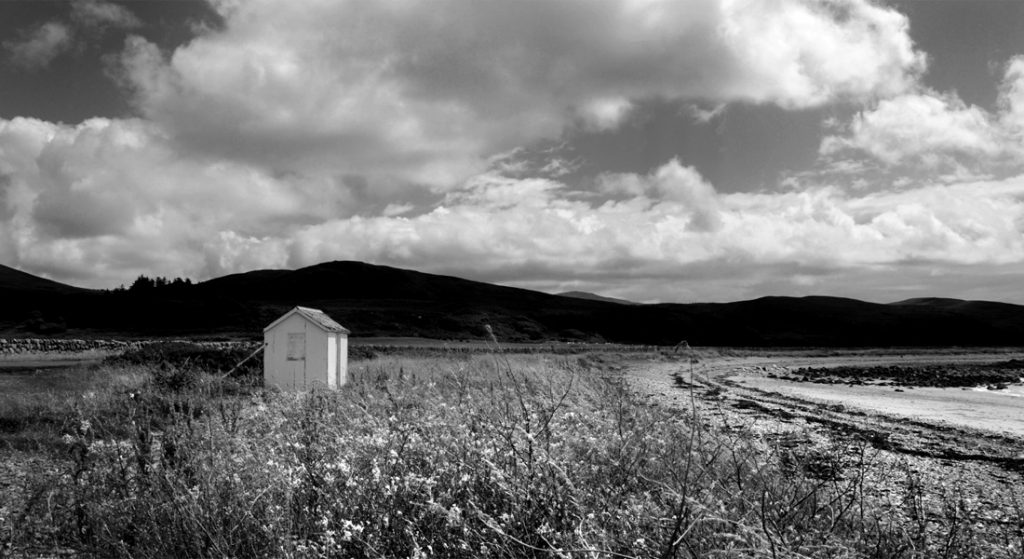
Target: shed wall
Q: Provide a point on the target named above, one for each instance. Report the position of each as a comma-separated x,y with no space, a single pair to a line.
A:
342,359
285,373
316,357
332,360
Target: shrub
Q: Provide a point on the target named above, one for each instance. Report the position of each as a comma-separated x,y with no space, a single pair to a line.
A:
183,359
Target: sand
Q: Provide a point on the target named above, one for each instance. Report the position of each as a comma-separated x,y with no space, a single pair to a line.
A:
996,411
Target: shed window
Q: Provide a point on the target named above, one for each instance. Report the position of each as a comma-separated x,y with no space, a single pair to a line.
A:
296,347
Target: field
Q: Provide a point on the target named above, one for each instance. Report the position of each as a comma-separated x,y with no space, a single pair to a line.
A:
592,453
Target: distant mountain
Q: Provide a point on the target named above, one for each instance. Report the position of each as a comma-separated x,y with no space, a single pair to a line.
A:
929,302
594,297
357,280
385,301
13,281
986,307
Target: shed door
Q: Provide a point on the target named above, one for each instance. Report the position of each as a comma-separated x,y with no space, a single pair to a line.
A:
297,347
295,357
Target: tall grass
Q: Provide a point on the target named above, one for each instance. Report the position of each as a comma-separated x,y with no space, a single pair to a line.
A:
472,457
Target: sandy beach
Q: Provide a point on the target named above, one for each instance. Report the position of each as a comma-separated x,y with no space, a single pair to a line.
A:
997,411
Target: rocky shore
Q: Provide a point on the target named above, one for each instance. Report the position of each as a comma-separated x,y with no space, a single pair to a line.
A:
998,374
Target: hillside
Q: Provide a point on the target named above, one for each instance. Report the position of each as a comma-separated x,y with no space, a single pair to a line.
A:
384,301
15,281
594,297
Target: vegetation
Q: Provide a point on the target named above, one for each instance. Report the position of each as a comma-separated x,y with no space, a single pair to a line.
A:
146,284
467,456
37,323
187,362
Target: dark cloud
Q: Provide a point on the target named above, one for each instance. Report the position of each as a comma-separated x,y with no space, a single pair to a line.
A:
100,14
77,215
36,48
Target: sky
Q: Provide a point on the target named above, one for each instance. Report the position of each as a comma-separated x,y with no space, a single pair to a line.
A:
652,150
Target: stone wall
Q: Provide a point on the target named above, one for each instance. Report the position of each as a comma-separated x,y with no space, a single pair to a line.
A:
13,346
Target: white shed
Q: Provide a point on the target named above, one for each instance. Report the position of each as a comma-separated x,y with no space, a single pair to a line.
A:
305,348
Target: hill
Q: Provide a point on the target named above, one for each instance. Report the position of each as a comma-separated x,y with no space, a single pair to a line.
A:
27,301
385,301
594,297
15,281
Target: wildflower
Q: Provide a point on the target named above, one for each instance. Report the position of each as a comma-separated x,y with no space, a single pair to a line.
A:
454,516
84,426
350,530
342,467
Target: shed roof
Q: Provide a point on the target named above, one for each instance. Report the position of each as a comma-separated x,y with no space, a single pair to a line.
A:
316,316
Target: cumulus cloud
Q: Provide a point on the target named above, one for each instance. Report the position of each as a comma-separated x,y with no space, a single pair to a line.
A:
110,198
674,184
427,91
808,53
649,244
1011,99
296,134
938,131
39,47
105,200
924,127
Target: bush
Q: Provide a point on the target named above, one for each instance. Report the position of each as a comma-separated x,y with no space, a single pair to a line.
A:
184,359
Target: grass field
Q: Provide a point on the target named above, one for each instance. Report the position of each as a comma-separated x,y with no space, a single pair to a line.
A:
462,456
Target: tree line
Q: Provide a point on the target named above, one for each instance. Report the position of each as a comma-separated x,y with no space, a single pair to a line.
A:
146,284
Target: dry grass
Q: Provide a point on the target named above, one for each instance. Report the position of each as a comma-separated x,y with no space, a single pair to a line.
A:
485,456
